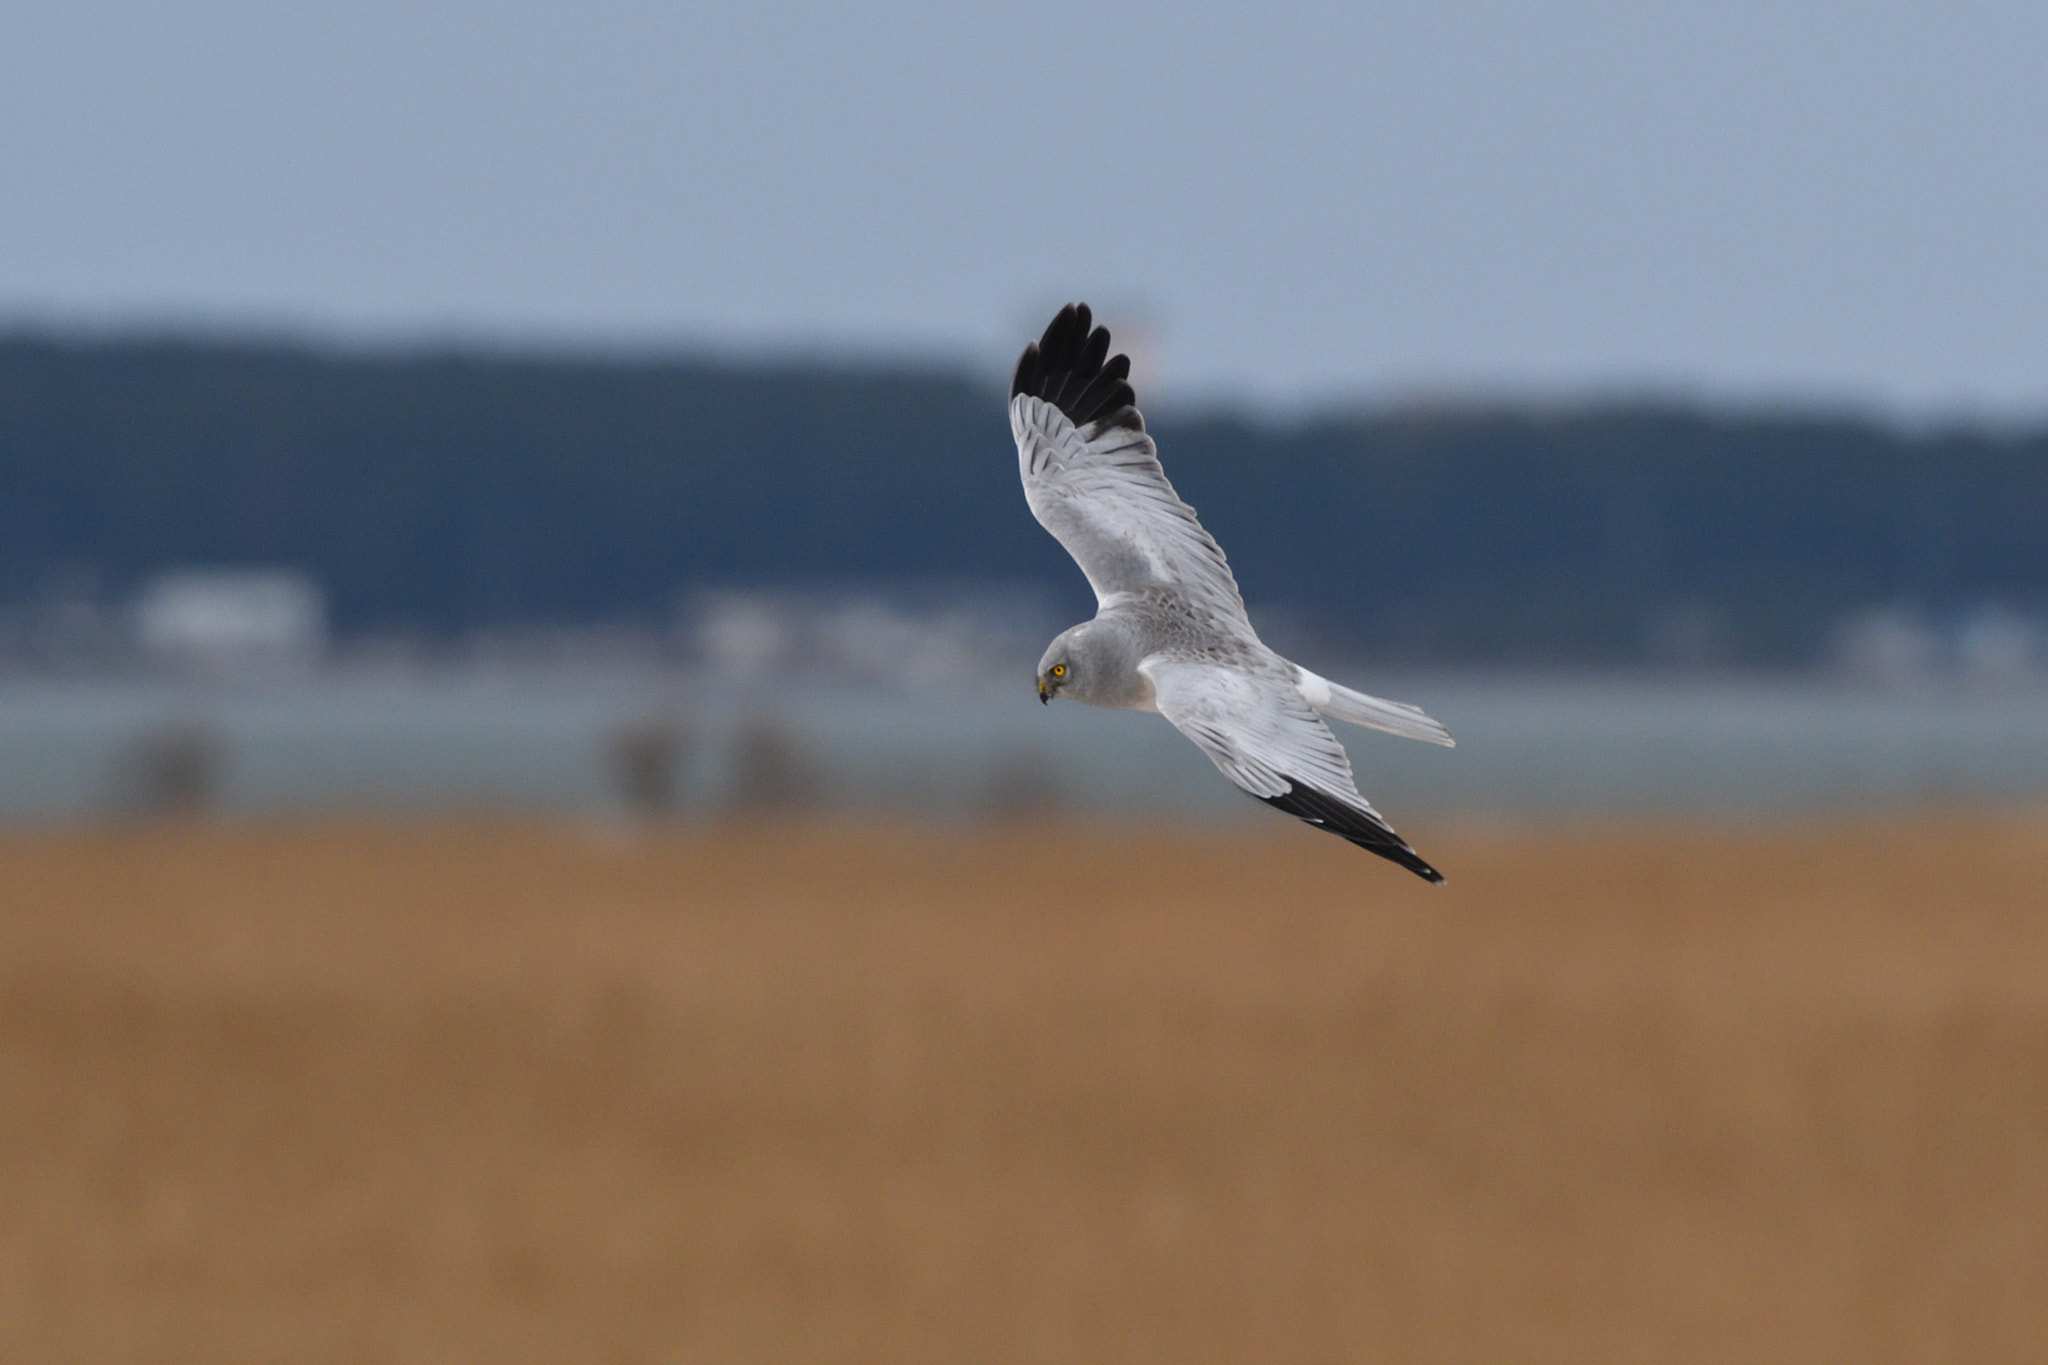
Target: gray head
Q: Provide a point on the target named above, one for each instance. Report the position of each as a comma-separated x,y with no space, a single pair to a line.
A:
1095,662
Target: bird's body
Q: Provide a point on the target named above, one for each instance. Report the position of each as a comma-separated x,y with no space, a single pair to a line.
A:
1170,633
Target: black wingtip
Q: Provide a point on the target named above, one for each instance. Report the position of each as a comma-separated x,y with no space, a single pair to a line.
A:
1349,823
1071,368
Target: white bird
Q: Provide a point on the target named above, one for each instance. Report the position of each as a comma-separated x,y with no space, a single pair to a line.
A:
1170,632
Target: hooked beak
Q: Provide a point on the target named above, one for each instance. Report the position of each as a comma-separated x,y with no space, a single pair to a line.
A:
1044,692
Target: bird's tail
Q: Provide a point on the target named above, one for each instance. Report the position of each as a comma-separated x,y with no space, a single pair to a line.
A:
1395,717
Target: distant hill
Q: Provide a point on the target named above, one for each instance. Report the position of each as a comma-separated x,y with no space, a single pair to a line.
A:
456,491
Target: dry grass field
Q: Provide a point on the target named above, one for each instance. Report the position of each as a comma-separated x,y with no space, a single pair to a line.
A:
828,1093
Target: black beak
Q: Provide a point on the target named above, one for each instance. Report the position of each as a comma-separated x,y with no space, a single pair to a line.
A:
1044,693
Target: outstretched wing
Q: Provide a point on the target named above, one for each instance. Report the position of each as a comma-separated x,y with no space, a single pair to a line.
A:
1092,475
1264,736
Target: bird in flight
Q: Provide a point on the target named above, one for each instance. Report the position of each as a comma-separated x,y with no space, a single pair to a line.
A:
1170,632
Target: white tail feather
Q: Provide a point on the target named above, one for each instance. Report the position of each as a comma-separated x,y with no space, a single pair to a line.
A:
1395,717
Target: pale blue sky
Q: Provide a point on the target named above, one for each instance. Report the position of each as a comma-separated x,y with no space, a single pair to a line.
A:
1752,200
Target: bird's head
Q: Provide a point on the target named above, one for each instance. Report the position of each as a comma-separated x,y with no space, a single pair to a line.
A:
1070,663
1086,662
1055,670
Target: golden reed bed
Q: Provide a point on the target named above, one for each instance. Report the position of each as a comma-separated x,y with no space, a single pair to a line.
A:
817,1093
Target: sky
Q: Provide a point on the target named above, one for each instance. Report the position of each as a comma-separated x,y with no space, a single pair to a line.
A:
1754,201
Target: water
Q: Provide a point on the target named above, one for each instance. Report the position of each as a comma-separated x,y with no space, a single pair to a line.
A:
553,743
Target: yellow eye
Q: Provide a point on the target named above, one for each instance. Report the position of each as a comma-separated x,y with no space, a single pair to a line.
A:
1059,670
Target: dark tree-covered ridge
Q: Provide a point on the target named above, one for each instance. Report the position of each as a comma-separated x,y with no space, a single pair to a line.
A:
454,491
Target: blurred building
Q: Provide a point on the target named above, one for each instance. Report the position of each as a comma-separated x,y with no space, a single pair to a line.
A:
1892,646
1990,647
1998,647
231,622
906,637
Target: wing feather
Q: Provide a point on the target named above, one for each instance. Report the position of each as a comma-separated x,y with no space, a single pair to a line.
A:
1263,735
1092,475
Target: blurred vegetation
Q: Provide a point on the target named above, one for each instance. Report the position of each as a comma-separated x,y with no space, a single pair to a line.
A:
446,492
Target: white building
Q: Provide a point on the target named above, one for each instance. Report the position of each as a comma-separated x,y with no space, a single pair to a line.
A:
229,621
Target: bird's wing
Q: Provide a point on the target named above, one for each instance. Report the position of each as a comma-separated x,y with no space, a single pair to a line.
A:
1264,736
1092,475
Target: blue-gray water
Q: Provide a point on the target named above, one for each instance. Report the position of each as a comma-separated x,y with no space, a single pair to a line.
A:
545,744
